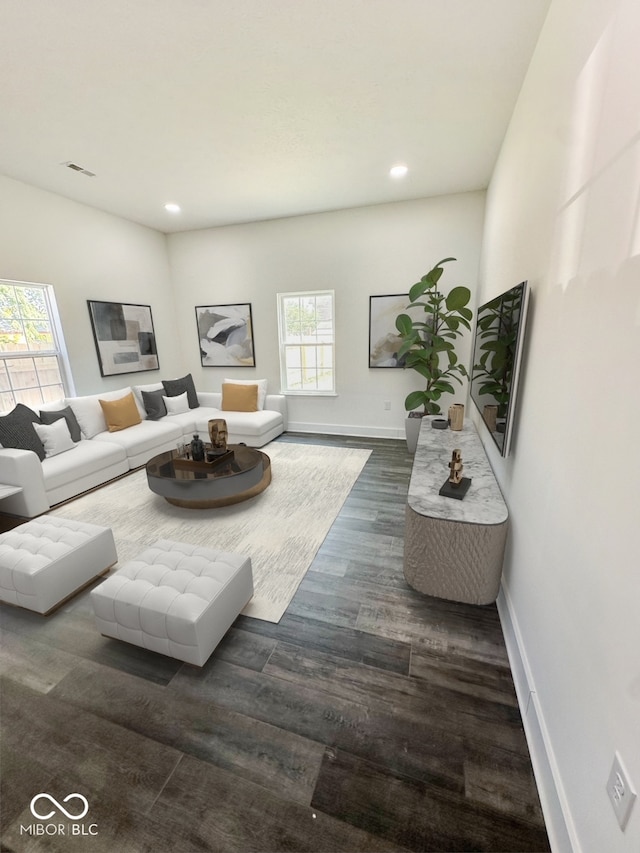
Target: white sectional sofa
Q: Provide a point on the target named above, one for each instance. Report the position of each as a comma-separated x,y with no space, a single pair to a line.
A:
101,454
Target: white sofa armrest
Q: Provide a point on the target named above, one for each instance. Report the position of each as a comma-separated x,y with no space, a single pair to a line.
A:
278,403
23,468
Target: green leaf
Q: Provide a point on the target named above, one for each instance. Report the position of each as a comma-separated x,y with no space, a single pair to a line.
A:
404,349
417,290
444,387
414,400
458,298
404,324
434,275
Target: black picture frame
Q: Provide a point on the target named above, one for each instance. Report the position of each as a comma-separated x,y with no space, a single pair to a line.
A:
384,338
124,336
225,335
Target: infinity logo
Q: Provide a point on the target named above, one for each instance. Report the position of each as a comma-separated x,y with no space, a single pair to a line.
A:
60,807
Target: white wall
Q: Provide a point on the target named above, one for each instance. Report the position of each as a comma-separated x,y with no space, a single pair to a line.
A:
563,211
360,252
87,254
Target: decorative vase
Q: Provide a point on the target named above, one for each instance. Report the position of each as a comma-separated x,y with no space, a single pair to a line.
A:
218,434
456,416
197,449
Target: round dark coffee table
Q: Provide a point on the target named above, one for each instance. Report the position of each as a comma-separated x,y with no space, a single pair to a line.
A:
240,475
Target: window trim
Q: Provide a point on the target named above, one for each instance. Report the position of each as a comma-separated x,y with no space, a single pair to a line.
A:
305,392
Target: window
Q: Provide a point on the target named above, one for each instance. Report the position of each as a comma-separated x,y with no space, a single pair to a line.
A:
306,325
33,363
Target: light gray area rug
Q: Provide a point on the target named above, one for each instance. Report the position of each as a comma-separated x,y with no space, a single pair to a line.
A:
281,529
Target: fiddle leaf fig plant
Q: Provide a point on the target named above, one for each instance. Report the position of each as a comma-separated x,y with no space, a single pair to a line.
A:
428,336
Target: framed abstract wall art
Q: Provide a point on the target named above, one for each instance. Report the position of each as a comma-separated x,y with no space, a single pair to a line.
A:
384,340
124,337
225,335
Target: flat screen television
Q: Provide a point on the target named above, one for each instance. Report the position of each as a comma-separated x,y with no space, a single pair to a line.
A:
497,352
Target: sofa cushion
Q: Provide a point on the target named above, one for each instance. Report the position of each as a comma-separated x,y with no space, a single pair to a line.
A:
177,405
55,437
49,417
239,398
87,458
120,414
175,387
144,439
262,388
16,430
154,404
89,412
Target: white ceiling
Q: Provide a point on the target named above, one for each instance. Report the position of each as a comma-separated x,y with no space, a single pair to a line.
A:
242,110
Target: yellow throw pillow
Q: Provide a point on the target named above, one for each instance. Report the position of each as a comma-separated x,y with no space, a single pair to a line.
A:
239,398
120,414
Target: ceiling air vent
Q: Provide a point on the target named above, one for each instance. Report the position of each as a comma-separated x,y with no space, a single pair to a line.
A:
80,169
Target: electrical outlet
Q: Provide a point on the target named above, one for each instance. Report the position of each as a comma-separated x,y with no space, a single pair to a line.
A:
387,405
620,791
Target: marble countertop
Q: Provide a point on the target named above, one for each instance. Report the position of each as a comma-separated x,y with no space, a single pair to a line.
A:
483,503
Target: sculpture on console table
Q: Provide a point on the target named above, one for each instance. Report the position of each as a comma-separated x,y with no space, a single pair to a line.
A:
456,486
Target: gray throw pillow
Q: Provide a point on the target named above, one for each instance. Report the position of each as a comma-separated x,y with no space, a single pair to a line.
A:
16,430
154,404
175,387
70,418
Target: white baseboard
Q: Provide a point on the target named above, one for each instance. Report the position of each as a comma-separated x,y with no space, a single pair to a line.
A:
562,834
347,429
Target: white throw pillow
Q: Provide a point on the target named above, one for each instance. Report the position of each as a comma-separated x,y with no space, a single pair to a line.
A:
88,410
177,405
55,437
262,388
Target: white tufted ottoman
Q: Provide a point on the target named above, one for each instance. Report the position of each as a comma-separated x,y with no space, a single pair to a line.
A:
45,561
174,598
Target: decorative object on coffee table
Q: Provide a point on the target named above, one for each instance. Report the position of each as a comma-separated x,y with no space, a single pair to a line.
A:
218,435
197,448
456,486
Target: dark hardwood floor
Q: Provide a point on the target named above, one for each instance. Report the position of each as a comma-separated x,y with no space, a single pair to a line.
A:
371,718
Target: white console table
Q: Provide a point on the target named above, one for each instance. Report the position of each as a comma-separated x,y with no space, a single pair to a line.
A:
454,549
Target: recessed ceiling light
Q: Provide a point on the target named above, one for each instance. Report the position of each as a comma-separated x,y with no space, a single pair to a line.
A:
398,171
172,208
